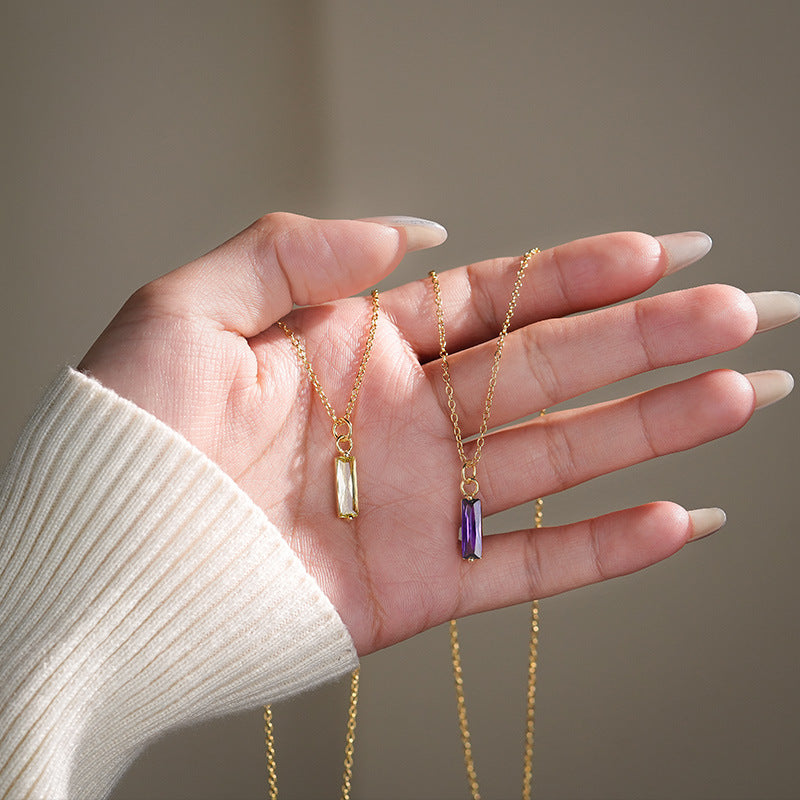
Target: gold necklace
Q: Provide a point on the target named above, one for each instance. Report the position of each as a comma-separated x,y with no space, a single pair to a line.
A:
344,462
346,508
471,531
471,538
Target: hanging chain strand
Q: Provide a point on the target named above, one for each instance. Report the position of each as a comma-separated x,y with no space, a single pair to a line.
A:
530,706
469,479
501,339
344,444
461,704
269,739
350,739
349,746
300,348
533,654
533,663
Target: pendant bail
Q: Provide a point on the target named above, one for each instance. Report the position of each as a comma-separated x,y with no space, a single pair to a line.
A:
344,441
469,480
345,464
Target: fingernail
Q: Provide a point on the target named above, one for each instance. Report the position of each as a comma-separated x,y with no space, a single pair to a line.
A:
770,385
684,248
706,521
420,233
775,308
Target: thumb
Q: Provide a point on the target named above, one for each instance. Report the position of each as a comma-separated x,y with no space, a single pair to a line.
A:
253,279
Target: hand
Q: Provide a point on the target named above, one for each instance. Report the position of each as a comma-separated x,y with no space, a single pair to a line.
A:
198,348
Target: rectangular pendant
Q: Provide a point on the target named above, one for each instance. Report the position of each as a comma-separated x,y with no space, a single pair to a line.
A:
346,487
471,533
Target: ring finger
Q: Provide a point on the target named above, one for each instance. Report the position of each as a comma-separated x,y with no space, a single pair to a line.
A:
566,448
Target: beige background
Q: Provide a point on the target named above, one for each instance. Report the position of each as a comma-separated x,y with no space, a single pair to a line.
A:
137,135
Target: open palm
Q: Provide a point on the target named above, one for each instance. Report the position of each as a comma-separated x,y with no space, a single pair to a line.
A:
198,348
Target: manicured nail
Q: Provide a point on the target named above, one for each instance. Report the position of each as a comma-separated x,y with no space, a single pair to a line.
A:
775,308
706,521
420,233
770,385
684,248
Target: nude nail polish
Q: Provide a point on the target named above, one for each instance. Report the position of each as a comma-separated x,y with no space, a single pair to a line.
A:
684,248
770,385
775,309
420,233
706,521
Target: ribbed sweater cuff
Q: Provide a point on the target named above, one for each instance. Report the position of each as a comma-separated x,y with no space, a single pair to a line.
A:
140,589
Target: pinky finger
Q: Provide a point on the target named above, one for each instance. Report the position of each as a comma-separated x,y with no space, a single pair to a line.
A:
528,564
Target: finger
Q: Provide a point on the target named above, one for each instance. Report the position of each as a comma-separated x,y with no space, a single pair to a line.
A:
554,360
253,279
535,563
566,448
584,274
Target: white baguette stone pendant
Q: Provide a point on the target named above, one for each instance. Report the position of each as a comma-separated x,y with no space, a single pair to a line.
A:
344,466
346,487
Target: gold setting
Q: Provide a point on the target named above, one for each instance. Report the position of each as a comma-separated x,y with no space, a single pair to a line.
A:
346,473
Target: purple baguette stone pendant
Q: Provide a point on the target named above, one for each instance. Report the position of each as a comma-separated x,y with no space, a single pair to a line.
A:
471,533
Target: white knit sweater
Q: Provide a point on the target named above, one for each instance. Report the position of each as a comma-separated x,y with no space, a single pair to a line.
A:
140,589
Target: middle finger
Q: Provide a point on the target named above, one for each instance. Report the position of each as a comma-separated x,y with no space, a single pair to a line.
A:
554,360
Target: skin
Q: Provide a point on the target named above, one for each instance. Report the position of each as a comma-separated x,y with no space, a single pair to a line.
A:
198,349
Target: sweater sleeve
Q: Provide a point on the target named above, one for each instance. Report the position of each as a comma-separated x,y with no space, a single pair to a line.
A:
140,590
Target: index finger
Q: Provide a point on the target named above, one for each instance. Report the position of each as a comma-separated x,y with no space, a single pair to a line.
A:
578,276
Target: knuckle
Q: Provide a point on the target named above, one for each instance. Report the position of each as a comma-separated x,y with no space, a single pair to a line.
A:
532,566
598,552
641,315
149,300
562,284
647,429
267,237
539,364
275,222
561,456
483,302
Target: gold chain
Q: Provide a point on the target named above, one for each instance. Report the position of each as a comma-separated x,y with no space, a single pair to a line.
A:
350,740
470,487
530,707
269,740
344,443
362,367
472,463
